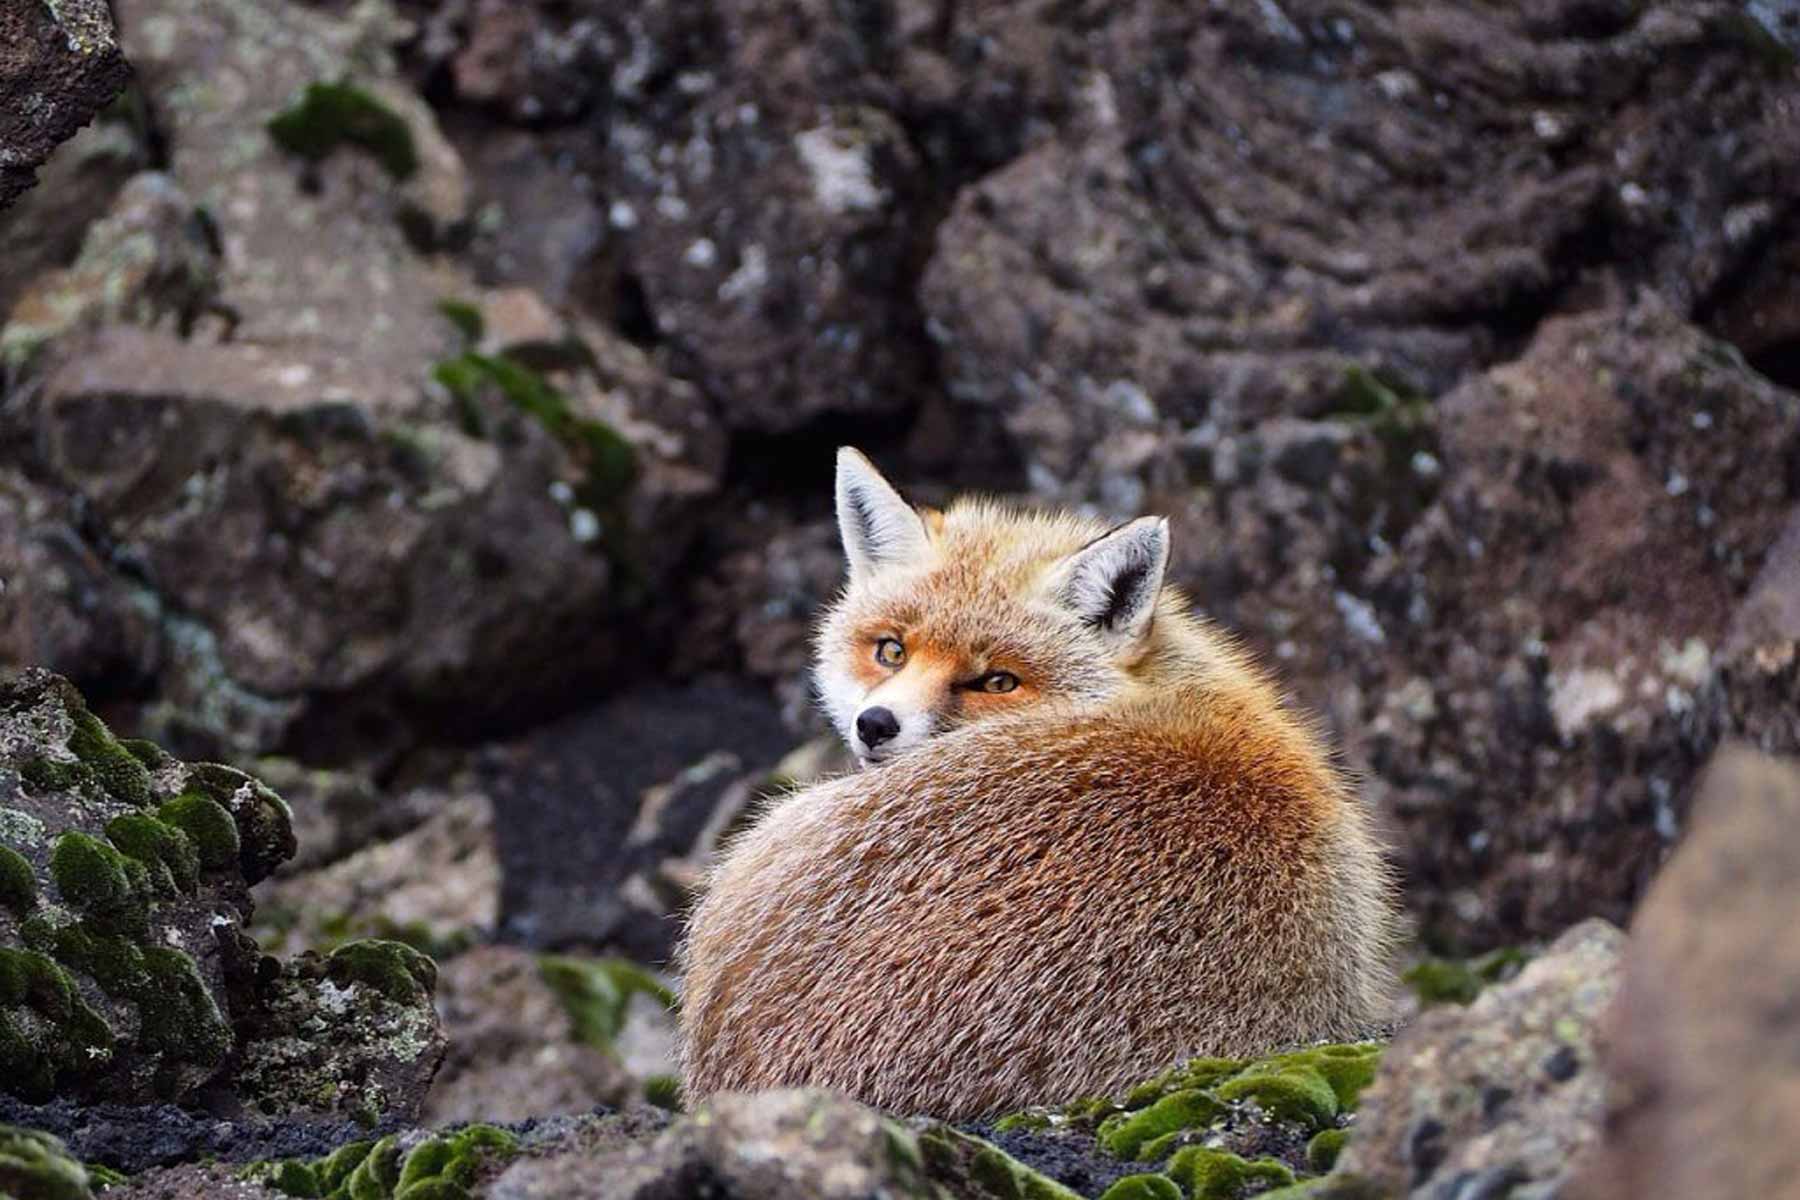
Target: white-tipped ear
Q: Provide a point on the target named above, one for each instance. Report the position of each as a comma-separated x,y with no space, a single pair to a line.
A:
1112,582
879,528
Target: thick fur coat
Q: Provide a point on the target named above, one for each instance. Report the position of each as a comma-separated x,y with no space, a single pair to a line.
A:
1098,842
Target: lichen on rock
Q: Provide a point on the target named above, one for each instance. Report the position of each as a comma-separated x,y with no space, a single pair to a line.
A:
124,971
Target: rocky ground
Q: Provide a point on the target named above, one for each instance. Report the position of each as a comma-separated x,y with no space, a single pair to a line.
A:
427,408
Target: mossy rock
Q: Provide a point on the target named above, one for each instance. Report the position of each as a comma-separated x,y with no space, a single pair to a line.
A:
36,1166
1297,1095
329,115
125,974
1207,1174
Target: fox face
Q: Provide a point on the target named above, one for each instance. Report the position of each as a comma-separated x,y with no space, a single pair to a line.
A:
976,612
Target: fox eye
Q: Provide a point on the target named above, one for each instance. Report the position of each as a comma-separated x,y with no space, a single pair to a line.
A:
889,652
997,682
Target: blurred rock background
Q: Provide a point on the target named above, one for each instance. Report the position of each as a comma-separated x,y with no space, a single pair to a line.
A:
428,407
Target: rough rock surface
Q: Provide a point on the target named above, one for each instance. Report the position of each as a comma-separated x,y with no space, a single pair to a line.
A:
1505,1093
125,974
580,849
1703,1047
60,64
336,519
513,1047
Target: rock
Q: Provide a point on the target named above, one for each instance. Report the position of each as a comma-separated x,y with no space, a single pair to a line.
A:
1223,215
514,1050
150,261
1504,1093
43,230
582,841
396,535
60,64
1703,1087
436,885
746,1147
127,976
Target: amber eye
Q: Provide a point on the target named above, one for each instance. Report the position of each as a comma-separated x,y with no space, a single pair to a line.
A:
996,682
889,652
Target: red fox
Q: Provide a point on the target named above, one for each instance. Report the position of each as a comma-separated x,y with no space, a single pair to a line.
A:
1088,839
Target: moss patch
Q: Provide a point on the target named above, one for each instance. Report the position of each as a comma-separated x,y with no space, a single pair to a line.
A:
1323,1150
439,1168
1207,1174
265,823
208,827
1458,981
394,969
18,882
1143,1187
977,1169
608,460
597,993
111,890
1126,1134
329,115
48,1035
36,1166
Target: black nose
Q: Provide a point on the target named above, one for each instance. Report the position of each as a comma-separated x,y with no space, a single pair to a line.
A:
875,726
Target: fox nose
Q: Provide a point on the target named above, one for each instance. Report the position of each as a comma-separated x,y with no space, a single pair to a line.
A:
876,725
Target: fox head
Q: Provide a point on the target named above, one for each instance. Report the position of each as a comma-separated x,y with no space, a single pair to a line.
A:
976,612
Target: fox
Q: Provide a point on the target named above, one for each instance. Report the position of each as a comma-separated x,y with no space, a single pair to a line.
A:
1086,837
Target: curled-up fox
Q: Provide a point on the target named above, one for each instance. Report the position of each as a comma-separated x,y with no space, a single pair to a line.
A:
1089,838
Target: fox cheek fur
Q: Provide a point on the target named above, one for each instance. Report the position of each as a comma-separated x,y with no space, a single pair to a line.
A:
1124,852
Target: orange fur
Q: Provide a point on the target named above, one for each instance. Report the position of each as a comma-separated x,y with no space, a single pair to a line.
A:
1137,856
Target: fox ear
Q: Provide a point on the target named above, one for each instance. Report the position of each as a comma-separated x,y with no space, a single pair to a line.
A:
879,528
1112,582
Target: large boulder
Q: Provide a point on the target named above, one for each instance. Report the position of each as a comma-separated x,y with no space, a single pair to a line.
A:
60,64
1231,212
265,421
1703,1052
125,971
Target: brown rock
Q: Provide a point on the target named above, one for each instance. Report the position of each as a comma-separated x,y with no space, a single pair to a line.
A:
1703,1055
1505,1092
513,1051
59,65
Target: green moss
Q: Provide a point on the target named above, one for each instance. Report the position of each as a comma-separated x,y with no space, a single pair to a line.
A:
18,882
115,768
951,1155
1322,1152
1143,1187
265,823
336,1168
1451,981
48,1034
376,1176
608,459
179,1018
208,826
394,969
1299,1095
103,1177
36,1166
597,993
1195,1073
109,889
1207,1174
467,319
433,1189
166,851
149,753
664,1091
1125,1134
1032,1120
292,1178
1348,1067
48,775
329,115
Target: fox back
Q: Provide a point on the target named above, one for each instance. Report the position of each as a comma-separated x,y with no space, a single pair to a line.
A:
1089,840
